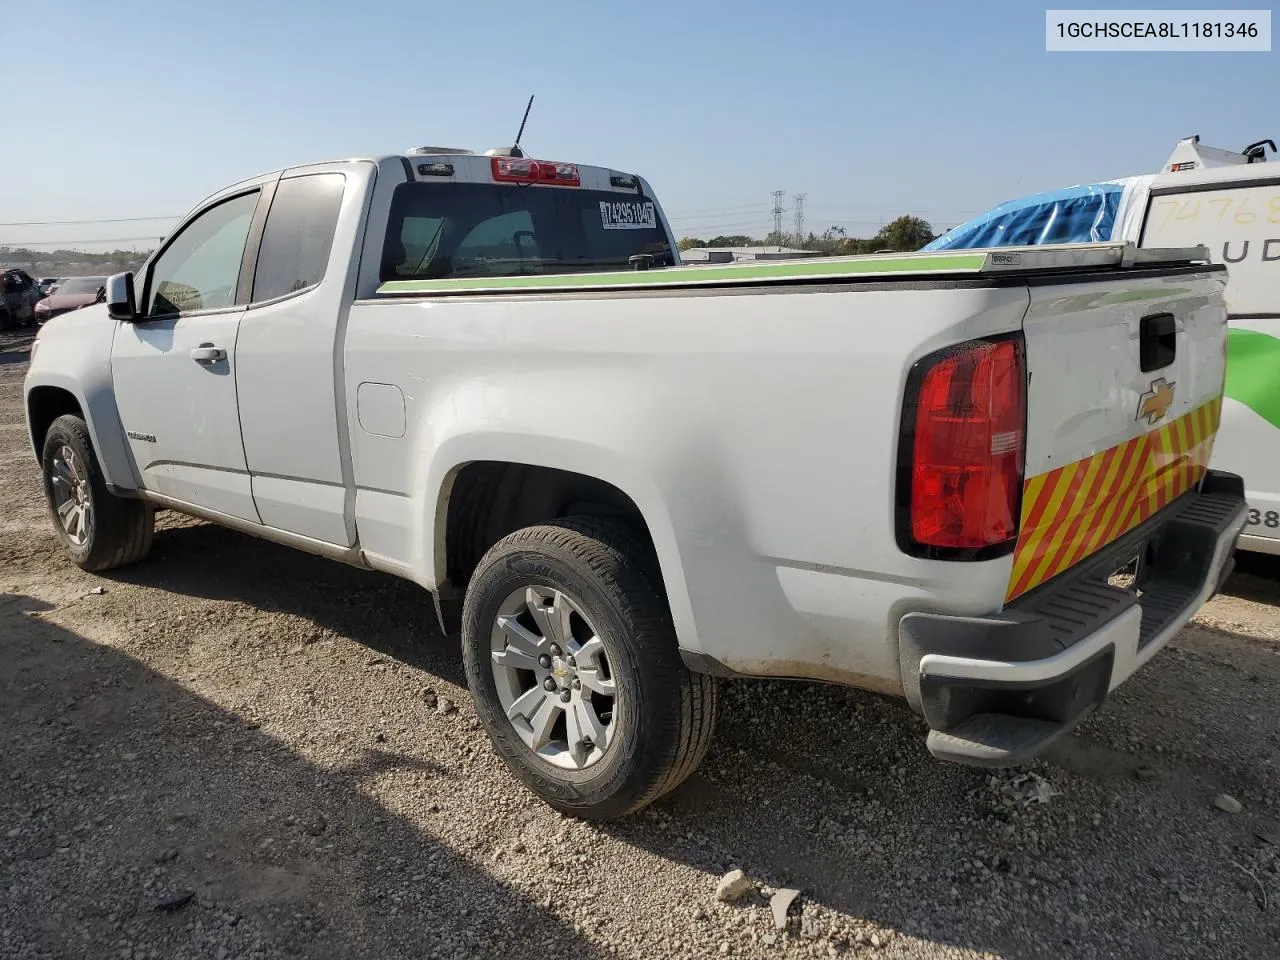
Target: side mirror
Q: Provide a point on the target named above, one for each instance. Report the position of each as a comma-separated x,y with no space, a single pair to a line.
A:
121,304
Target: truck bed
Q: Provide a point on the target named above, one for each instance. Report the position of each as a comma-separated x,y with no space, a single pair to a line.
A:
759,431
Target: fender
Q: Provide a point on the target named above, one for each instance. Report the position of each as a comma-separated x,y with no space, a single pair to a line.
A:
457,451
73,353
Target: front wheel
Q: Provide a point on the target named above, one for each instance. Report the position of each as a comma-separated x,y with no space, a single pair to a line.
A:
98,531
572,660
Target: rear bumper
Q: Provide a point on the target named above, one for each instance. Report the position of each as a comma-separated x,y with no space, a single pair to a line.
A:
998,690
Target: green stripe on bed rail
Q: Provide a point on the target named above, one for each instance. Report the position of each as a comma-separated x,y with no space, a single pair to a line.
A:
688,276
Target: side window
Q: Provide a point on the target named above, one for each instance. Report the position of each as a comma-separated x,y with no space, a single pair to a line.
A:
200,269
298,236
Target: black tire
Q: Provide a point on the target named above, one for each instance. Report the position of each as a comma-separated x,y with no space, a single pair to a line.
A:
121,530
668,712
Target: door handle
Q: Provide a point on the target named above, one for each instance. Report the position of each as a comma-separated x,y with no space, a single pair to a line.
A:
208,353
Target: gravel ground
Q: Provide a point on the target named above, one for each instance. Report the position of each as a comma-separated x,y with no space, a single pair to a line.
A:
233,750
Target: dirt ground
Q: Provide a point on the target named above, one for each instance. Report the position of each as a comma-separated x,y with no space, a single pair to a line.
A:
233,750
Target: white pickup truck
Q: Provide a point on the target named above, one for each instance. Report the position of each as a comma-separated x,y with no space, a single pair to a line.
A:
622,478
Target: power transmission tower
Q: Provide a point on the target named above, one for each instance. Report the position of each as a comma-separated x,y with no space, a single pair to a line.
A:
799,201
778,197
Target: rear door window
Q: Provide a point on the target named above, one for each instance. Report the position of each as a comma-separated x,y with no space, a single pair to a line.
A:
298,237
486,230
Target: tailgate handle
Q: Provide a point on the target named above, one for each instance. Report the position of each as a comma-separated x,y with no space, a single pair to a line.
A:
1157,341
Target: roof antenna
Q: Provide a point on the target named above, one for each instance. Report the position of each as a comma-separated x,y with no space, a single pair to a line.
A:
515,147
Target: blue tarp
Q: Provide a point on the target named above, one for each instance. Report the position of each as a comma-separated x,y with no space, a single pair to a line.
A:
1081,214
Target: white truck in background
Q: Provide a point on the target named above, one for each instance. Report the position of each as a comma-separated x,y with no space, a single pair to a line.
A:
1230,203
622,478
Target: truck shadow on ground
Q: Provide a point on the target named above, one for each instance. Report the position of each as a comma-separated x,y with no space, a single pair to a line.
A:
834,793
122,788
388,614
1256,578
832,790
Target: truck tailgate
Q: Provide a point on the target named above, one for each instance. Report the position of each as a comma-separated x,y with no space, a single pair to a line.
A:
1125,373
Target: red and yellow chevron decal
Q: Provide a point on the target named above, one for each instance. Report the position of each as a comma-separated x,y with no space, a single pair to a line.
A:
1074,511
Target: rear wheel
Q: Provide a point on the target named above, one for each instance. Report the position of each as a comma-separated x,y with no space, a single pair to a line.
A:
98,531
572,660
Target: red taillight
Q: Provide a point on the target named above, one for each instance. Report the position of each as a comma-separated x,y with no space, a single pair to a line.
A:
967,458
524,170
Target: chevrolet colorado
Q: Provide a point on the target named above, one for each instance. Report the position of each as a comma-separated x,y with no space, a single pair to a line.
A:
623,478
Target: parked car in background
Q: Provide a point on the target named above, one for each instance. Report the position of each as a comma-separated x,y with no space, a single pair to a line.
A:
71,294
48,284
18,296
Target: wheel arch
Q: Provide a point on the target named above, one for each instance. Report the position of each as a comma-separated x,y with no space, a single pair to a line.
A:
484,488
46,404
48,397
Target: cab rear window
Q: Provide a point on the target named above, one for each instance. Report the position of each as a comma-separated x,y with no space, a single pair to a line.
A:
492,230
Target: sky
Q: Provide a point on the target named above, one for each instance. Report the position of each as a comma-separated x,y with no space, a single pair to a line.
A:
939,109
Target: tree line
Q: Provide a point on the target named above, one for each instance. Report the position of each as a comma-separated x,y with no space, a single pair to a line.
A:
903,235
57,263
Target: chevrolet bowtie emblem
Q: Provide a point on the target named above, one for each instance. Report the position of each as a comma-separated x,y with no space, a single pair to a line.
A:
1155,403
